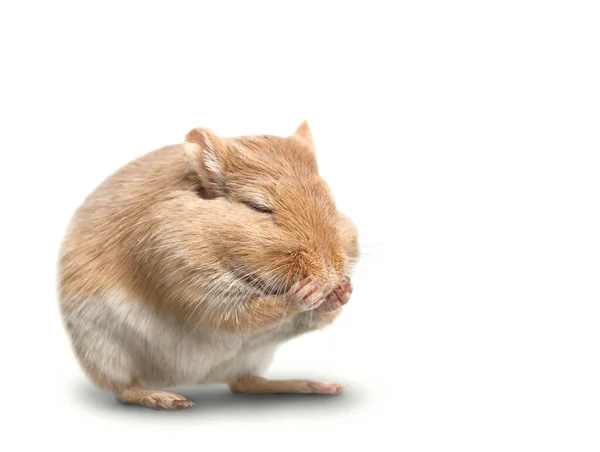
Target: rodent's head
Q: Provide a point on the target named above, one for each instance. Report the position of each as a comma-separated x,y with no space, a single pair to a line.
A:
279,223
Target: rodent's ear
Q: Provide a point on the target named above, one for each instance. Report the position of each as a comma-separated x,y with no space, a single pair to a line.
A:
304,134
206,152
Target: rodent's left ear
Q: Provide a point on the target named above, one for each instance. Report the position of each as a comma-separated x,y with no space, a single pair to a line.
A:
207,153
304,134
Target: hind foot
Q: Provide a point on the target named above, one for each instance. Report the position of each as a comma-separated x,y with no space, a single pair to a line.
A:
157,400
259,385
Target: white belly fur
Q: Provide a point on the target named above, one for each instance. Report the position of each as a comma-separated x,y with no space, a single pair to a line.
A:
124,340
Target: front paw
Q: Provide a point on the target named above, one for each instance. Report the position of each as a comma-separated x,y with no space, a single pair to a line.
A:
339,297
306,295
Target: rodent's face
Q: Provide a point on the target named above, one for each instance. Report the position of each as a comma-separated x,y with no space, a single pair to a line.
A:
282,225
277,187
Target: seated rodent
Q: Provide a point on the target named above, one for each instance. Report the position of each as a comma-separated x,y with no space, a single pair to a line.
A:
194,262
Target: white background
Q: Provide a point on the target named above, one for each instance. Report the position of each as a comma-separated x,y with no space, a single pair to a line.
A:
463,139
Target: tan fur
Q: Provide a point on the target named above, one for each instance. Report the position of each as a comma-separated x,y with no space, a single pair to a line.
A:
168,239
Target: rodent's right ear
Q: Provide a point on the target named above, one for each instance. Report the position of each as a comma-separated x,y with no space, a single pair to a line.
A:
206,152
304,134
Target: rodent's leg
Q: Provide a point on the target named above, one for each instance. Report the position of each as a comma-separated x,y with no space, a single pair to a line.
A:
338,298
258,385
128,393
131,393
323,315
158,400
98,341
269,310
101,342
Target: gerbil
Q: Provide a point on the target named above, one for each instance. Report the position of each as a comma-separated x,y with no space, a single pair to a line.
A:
194,262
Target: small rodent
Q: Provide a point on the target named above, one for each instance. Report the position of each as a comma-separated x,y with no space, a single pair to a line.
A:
194,262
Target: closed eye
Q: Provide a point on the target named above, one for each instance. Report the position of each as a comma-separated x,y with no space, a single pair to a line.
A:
259,208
